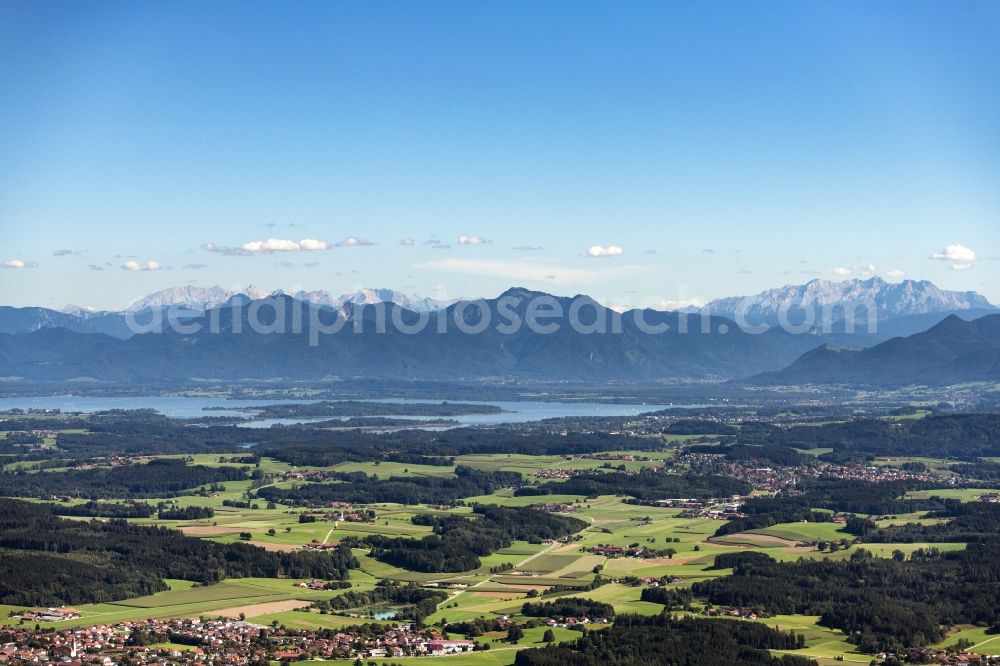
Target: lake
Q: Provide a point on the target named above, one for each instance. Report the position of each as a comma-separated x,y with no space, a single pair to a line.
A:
193,407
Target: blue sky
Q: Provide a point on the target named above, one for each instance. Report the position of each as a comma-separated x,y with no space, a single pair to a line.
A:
725,148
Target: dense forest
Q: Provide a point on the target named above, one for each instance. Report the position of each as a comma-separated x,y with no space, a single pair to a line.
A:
850,496
105,509
764,453
457,543
967,522
768,513
157,478
292,446
671,597
881,604
185,513
568,607
961,436
646,485
47,560
733,559
985,470
838,495
662,641
360,488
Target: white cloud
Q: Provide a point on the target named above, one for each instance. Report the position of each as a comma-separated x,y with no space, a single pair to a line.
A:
354,241
955,252
961,267
406,241
470,240
841,271
529,271
18,263
527,248
270,245
895,274
194,267
601,251
133,265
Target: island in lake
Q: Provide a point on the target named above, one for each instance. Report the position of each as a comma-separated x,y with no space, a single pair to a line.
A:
348,408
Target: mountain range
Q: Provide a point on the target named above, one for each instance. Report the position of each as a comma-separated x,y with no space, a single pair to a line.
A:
953,351
898,308
205,298
189,301
820,301
312,335
227,346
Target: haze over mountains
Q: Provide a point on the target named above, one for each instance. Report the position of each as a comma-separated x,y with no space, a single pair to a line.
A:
815,302
226,345
193,300
954,351
313,335
204,298
820,300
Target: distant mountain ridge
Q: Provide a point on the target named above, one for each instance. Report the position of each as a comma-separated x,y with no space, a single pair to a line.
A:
953,351
26,320
190,300
292,338
903,310
444,344
195,298
411,302
205,298
820,300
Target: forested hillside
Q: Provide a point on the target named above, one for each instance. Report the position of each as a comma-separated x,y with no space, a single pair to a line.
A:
46,560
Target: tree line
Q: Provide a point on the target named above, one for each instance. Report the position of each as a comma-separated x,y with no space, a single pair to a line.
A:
568,607
881,604
164,477
359,488
664,641
48,560
646,485
457,543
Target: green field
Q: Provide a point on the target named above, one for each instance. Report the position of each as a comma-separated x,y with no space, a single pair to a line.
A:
963,494
611,521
